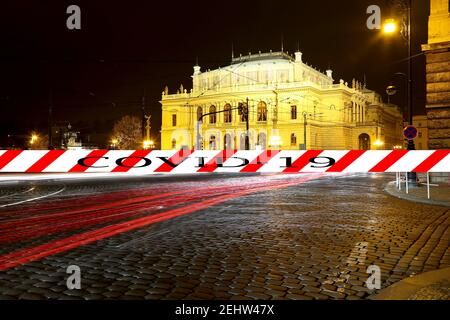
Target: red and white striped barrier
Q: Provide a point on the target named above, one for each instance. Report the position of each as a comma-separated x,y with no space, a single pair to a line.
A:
185,161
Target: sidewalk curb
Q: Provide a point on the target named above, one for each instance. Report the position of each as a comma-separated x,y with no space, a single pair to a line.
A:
391,189
407,288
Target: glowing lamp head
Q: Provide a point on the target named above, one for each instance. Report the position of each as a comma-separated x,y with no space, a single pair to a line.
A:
389,26
34,138
114,141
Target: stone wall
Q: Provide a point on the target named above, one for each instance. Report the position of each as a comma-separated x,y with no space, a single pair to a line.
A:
438,96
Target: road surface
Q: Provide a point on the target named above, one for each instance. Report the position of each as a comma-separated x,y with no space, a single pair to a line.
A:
214,237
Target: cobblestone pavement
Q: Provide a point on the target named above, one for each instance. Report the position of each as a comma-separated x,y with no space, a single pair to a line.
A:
314,240
437,291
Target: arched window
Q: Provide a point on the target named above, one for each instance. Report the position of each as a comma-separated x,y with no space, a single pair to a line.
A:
262,140
262,111
227,113
174,143
212,142
227,142
242,111
212,116
199,113
364,141
293,139
293,112
242,141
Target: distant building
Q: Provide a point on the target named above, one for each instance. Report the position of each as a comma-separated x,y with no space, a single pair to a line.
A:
289,102
421,141
64,137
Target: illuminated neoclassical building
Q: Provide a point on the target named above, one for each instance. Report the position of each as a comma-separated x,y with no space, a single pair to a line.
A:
291,105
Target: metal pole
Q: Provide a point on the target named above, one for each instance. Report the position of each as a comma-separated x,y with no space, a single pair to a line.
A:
199,136
143,118
247,137
412,176
428,185
50,119
406,178
304,128
409,66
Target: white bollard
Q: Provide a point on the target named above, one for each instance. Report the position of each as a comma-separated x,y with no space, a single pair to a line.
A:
406,178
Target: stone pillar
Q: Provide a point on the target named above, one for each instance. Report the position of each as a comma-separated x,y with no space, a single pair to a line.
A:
438,78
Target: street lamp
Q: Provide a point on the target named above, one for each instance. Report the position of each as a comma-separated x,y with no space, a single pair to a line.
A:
114,143
406,32
389,26
305,122
34,138
391,90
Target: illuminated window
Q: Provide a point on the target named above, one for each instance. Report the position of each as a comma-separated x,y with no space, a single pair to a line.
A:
262,140
212,116
212,143
242,141
227,142
227,113
293,139
293,112
420,134
262,111
174,120
241,111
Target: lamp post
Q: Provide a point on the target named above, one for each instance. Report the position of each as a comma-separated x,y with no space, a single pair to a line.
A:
305,123
391,90
391,27
50,119
247,137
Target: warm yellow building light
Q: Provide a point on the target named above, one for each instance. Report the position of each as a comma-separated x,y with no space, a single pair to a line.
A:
275,141
148,144
378,143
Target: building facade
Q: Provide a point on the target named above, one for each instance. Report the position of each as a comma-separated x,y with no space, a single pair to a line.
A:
421,124
291,105
438,74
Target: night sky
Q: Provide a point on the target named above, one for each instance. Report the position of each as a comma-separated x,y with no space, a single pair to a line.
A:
130,49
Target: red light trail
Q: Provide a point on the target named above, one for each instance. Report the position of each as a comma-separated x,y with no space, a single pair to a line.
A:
179,203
